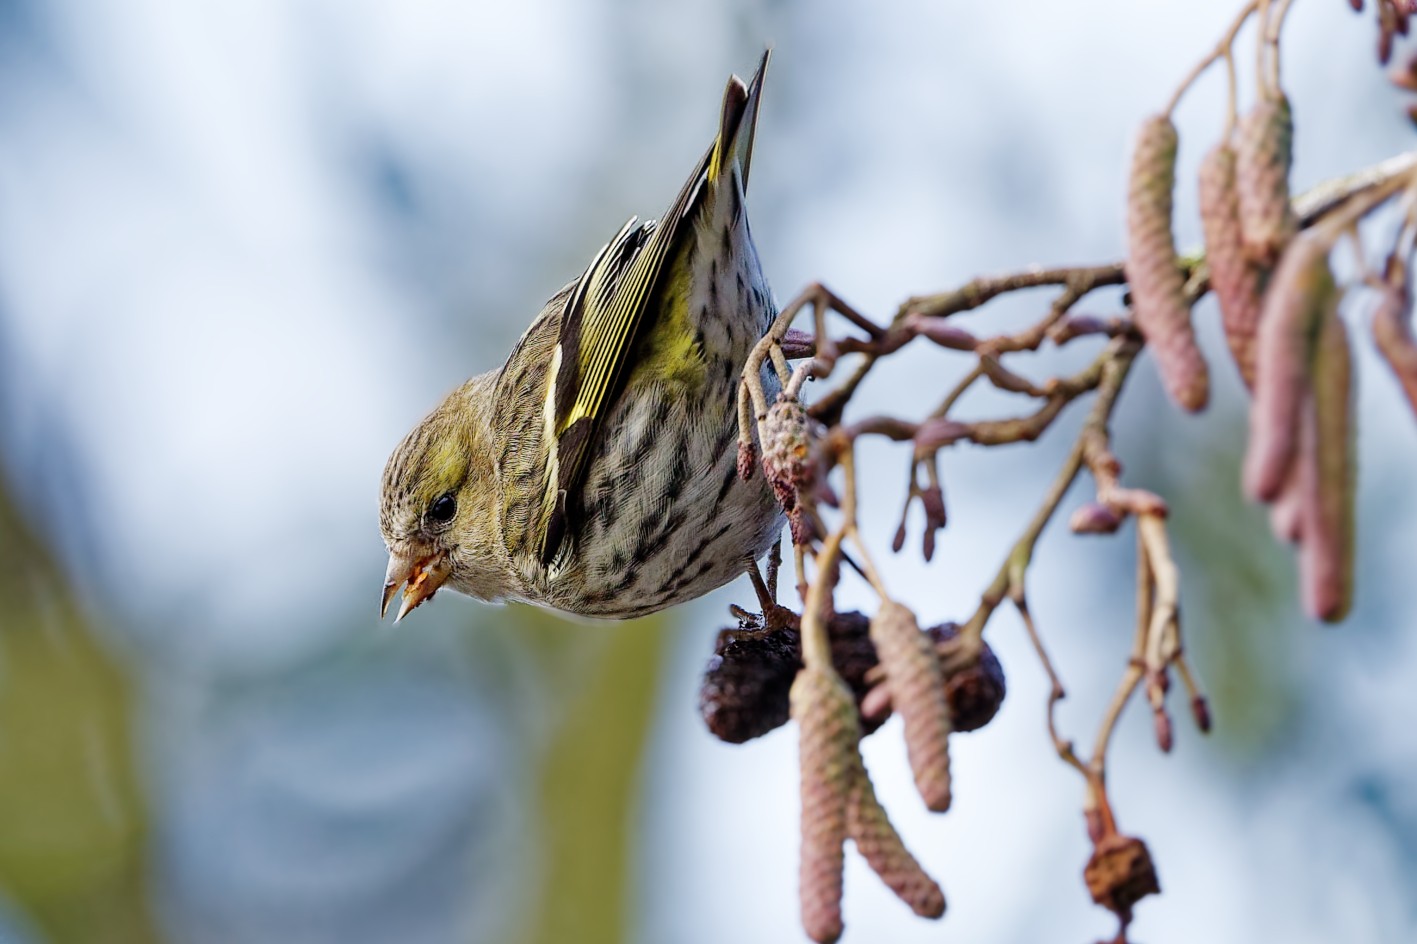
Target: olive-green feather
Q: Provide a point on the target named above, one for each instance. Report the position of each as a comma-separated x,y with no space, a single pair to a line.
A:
621,292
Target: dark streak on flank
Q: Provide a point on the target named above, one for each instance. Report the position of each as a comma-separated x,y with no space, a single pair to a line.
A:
703,545
726,438
679,475
723,489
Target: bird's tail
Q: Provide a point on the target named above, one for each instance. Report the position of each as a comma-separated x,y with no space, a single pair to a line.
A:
737,123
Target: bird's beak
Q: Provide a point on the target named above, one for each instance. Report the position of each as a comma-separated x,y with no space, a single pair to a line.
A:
423,575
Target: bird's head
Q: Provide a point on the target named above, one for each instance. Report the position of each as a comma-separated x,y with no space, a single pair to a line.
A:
439,508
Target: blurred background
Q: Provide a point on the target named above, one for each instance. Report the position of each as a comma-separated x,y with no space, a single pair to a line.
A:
244,245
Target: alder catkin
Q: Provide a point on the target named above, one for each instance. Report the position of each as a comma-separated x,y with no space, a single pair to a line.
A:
1157,282
882,848
825,712
914,678
787,450
1264,147
1301,293
1392,332
1326,477
1235,280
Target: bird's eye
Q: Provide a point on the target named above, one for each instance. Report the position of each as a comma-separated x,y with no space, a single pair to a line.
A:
443,509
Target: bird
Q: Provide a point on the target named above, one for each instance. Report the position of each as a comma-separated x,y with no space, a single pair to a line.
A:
596,471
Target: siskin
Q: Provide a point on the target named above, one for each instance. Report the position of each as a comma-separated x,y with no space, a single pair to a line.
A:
596,471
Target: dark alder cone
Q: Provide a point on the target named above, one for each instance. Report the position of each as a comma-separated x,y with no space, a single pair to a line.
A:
1235,280
1120,873
1392,332
853,655
974,693
1264,147
787,450
743,694
1301,294
1326,481
1157,283
745,685
913,677
826,717
881,846
744,690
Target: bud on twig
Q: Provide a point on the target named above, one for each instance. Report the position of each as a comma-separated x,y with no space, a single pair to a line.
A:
881,846
942,332
1094,518
1301,294
1157,283
826,716
914,679
1165,734
798,344
932,502
1200,711
1264,151
1234,278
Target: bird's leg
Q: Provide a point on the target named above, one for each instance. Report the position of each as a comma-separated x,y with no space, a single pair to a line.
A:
774,617
774,565
747,620
766,598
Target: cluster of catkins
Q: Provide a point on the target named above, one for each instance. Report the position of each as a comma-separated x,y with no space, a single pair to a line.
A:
1279,307
838,675
838,801
759,676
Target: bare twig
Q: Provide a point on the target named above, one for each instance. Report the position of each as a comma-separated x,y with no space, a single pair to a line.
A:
1222,51
975,293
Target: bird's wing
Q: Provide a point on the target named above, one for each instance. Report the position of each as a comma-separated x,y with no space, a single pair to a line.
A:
610,306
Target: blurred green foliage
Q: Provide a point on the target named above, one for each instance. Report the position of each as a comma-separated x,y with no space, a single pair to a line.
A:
1238,585
590,777
72,824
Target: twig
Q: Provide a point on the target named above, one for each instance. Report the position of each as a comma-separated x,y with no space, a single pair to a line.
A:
1056,692
816,647
1222,50
1132,677
1322,198
978,291
1270,38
